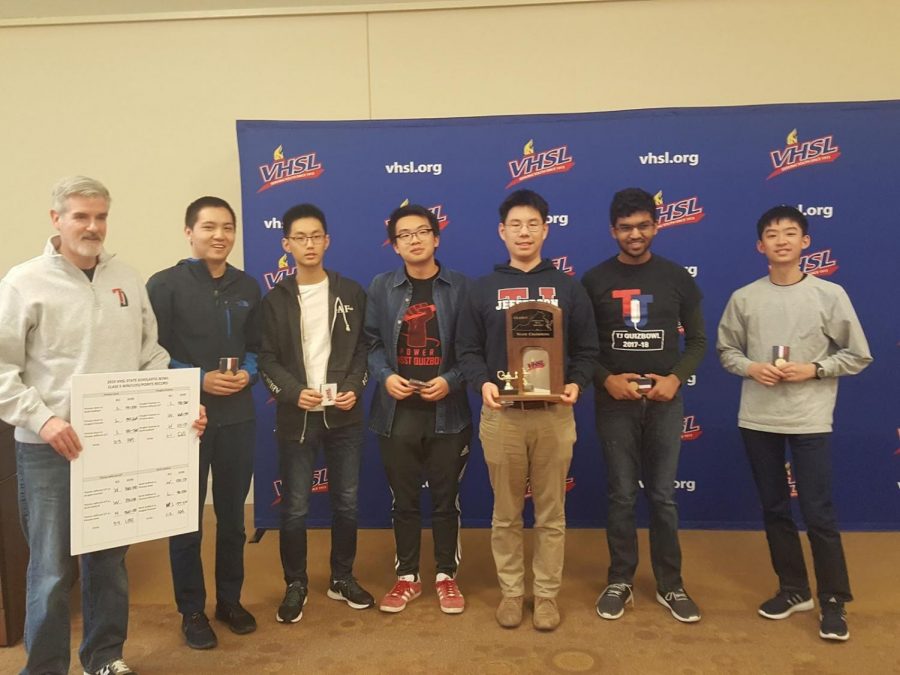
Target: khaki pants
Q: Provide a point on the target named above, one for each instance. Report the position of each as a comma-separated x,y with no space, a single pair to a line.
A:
520,445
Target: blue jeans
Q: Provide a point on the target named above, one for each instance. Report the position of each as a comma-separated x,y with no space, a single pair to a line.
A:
811,461
343,456
43,477
642,441
228,450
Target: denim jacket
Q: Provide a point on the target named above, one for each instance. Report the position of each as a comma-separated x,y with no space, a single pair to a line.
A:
389,296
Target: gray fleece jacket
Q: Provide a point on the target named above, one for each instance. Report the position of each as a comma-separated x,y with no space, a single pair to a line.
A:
55,323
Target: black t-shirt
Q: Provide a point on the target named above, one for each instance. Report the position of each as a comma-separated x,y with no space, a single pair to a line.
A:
419,348
638,309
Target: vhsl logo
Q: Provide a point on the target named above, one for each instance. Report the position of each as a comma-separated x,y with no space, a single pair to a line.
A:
682,212
281,170
320,480
272,223
271,279
690,430
797,154
319,484
818,264
437,210
532,164
562,264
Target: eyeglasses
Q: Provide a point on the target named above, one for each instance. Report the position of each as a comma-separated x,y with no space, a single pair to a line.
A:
421,233
302,239
643,228
517,227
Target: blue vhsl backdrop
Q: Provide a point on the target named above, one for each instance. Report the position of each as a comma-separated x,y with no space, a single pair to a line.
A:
713,171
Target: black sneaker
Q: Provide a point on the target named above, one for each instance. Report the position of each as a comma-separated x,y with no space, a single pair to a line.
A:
238,619
291,608
351,592
833,621
786,603
197,631
612,601
117,667
680,604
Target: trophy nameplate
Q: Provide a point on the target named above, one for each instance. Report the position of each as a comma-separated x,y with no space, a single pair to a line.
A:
534,348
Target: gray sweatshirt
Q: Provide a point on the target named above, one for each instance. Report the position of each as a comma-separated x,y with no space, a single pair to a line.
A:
55,323
815,319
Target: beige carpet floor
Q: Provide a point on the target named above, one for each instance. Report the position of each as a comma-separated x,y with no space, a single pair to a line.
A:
728,574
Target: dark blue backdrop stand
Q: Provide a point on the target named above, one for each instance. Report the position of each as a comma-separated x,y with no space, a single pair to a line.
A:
714,171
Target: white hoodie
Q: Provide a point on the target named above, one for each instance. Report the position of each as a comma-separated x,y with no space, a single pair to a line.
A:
55,323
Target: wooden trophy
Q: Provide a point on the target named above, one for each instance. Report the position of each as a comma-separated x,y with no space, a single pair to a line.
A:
534,348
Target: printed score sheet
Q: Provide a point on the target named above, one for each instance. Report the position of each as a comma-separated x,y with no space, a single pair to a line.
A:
137,476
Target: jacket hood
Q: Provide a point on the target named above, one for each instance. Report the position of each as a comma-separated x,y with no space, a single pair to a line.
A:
289,284
544,265
198,268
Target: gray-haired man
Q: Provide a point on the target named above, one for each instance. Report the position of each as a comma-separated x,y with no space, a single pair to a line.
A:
75,309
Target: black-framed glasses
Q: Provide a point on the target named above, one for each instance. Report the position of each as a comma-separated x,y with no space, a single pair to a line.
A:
643,228
301,239
421,233
517,227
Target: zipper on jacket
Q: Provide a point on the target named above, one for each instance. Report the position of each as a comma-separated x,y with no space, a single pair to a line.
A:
303,430
334,313
337,303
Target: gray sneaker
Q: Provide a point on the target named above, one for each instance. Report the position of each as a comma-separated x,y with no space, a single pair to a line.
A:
612,601
680,604
117,667
786,603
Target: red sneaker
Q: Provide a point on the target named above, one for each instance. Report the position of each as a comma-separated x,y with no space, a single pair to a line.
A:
402,592
452,601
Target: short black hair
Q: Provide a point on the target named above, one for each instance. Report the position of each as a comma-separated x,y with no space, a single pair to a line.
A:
524,198
629,201
299,211
781,212
194,208
411,210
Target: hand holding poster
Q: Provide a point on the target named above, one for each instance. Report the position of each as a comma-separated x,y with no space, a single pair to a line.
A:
137,476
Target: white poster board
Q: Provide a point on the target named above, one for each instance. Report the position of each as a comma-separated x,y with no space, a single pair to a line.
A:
137,476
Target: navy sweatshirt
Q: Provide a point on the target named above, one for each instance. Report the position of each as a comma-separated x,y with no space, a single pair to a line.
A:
202,319
481,327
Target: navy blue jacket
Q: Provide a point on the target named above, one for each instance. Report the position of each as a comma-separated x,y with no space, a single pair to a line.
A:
481,335
199,322
389,295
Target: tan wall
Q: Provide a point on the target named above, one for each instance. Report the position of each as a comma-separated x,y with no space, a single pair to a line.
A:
149,107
